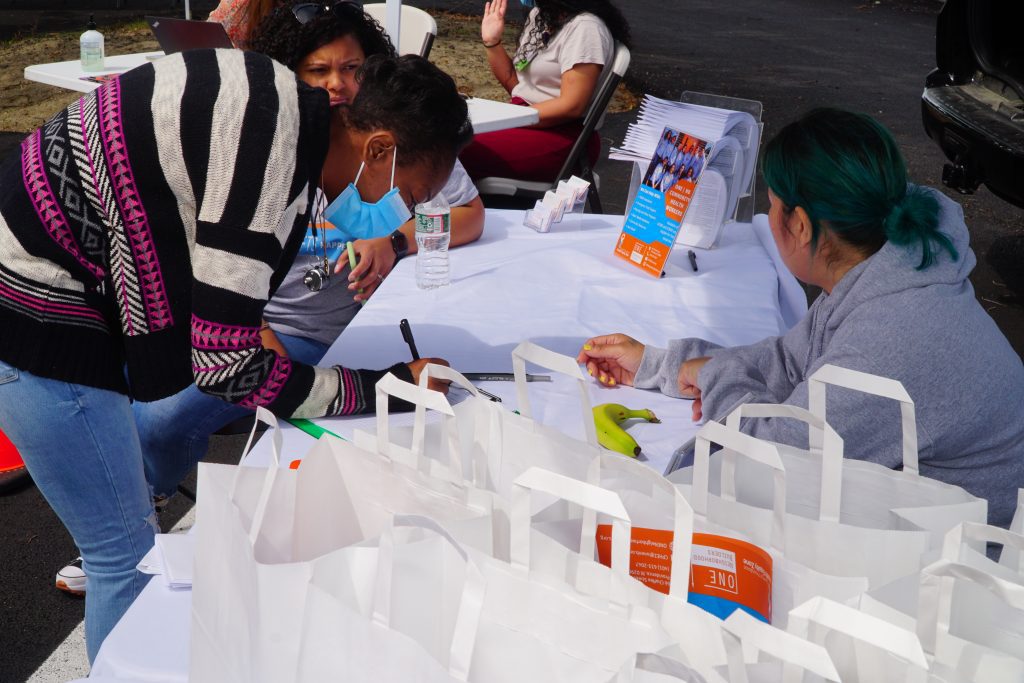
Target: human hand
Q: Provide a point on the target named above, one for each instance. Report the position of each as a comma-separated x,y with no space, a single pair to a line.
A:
376,259
270,341
492,26
688,387
612,358
434,383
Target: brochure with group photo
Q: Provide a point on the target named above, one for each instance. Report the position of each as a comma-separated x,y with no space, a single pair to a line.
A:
656,216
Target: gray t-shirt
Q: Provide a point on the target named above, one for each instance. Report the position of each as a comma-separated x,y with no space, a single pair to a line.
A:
323,315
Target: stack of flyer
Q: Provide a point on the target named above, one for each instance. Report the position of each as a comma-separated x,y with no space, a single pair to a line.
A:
732,139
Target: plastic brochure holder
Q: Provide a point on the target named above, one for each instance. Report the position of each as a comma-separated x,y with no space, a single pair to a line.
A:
578,186
540,217
558,203
745,206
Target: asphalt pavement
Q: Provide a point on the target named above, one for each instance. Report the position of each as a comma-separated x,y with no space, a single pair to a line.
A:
791,55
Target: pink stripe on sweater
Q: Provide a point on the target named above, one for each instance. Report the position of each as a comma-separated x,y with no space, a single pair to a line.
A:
49,306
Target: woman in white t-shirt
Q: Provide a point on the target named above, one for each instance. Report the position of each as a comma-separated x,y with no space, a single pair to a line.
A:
555,68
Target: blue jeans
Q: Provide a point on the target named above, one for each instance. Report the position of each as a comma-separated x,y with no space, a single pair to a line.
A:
82,450
175,431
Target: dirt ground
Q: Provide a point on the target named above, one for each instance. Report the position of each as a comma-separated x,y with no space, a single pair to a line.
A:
25,104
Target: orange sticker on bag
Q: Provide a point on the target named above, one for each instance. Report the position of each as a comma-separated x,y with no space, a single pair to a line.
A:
725,573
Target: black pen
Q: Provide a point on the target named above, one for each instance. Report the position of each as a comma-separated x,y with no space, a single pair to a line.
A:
407,336
693,259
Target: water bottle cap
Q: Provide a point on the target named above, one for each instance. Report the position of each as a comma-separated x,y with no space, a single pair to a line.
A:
92,24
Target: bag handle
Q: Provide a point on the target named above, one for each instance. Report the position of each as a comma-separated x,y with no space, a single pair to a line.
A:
389,385
1013,543
471,604
830,497
682,517
1013,559
741,631
755,449
862,627
586,495
477,470
269,476
656,663
444,372
869,384
935,600
556,362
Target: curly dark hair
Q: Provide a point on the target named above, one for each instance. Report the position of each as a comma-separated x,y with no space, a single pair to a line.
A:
417,102
284,39
552,15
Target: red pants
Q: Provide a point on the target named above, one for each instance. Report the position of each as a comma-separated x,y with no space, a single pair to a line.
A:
525,153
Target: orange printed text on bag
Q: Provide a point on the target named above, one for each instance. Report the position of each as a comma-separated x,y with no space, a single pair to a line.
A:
725,573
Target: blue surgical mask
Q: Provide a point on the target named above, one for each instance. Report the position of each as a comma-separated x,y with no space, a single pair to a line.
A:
359,220
527,3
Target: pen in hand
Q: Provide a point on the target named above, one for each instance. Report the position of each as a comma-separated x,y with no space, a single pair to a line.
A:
407,336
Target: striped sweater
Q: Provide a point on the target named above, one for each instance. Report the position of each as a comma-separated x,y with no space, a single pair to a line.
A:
144,228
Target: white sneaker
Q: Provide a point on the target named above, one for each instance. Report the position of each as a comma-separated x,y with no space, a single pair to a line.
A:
71,578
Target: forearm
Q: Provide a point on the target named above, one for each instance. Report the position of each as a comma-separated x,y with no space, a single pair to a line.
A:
659,368
574,94
558,111
502,67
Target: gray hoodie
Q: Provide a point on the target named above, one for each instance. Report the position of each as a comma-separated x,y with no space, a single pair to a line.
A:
921,327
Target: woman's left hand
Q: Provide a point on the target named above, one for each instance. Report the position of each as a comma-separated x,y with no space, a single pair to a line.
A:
688,387
376,259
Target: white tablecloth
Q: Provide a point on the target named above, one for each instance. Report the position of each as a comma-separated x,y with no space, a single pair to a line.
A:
555,289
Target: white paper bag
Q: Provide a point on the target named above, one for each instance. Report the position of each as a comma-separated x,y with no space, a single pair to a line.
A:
967,611
261,532
415,620
503,444
789,657
530,625
526,443
821,507
863,648
793,582
245,582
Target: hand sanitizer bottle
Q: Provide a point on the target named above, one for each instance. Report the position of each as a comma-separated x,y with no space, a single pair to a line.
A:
91,44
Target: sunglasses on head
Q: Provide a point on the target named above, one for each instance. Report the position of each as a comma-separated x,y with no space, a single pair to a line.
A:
305,12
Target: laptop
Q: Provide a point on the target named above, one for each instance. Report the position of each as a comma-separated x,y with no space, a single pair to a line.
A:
178,35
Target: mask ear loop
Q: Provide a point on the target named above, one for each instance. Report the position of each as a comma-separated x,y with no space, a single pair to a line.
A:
394,159
322,222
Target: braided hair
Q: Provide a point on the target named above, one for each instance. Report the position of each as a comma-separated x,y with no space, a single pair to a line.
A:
552,15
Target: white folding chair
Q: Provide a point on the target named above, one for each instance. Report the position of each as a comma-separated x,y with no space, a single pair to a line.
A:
418,28
578,162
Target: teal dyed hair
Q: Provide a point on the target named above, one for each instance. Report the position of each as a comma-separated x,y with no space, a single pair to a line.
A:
845,171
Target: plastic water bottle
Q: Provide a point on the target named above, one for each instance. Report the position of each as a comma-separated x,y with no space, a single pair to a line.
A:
91,45
433,233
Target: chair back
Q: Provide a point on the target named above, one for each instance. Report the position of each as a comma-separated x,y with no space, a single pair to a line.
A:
612,74
418,28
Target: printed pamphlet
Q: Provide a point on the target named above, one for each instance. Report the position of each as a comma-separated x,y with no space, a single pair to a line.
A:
661,202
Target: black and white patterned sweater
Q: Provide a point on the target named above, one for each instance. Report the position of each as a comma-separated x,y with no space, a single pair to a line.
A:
143,229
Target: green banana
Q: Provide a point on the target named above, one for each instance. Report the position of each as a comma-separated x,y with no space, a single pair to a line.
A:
608,418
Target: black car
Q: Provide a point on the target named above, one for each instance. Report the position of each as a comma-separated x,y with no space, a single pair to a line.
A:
973,103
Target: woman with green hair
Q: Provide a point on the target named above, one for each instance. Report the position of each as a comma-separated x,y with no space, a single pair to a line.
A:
892,260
